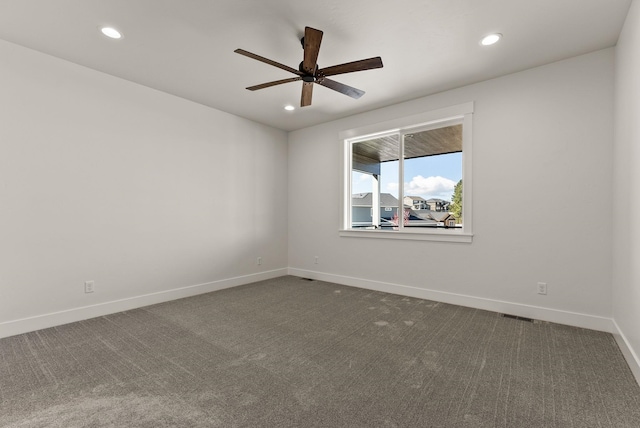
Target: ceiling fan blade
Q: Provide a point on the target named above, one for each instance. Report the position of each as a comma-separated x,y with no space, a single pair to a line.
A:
312,40
274,83
350,67
268,61
307,91
341,87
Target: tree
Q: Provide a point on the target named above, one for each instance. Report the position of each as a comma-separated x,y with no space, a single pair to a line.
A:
456,202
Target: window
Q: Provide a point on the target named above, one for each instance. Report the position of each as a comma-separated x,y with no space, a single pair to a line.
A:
410,178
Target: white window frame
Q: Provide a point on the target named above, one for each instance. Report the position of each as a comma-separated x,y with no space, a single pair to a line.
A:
463,113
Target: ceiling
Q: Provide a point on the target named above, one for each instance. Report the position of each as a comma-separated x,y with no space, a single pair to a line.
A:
185,47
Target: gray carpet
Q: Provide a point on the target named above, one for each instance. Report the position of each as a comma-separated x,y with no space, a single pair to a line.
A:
293,353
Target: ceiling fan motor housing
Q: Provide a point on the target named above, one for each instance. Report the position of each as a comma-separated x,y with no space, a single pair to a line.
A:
308,77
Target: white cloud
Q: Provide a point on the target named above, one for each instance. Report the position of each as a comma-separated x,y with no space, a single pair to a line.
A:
361,183
430,186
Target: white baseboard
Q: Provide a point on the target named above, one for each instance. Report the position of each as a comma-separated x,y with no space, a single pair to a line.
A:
24,325
627,350
535,312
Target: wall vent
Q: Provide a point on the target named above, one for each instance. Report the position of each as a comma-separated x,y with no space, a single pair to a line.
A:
515,317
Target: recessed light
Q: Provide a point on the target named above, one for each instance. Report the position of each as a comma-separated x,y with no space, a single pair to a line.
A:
289,108
111,32
491,39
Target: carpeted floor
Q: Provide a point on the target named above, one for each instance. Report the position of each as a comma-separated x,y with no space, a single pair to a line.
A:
294,353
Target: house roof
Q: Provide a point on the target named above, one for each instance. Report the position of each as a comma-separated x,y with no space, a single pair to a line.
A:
364,200
436,216
420,215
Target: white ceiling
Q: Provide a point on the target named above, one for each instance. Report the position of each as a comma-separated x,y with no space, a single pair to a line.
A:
185,47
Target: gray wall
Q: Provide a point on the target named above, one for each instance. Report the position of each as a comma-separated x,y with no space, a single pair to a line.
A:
544,134
142,192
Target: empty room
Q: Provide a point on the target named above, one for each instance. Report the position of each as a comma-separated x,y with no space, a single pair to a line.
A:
242,213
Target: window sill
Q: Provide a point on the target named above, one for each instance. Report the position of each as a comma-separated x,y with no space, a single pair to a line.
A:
439,236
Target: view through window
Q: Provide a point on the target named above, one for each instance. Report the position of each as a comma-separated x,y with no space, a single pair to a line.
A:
408,180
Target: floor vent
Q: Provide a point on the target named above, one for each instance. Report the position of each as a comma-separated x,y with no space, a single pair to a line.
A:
515,317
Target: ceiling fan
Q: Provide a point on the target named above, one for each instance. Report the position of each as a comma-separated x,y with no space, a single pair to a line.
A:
310,73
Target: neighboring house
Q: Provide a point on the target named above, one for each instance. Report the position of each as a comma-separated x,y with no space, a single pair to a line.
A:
435,204
362,211
439,218
416,202
448,220
361,208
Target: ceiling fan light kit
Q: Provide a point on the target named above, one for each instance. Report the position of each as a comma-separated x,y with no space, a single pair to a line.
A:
309,72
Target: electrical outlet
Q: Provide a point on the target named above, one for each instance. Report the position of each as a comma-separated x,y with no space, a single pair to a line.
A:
89,286
259,261
542,288
315,260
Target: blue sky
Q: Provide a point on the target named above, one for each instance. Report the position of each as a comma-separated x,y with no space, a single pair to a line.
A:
428,177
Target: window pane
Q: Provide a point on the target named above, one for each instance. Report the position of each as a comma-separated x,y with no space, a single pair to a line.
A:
432,168
372,204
